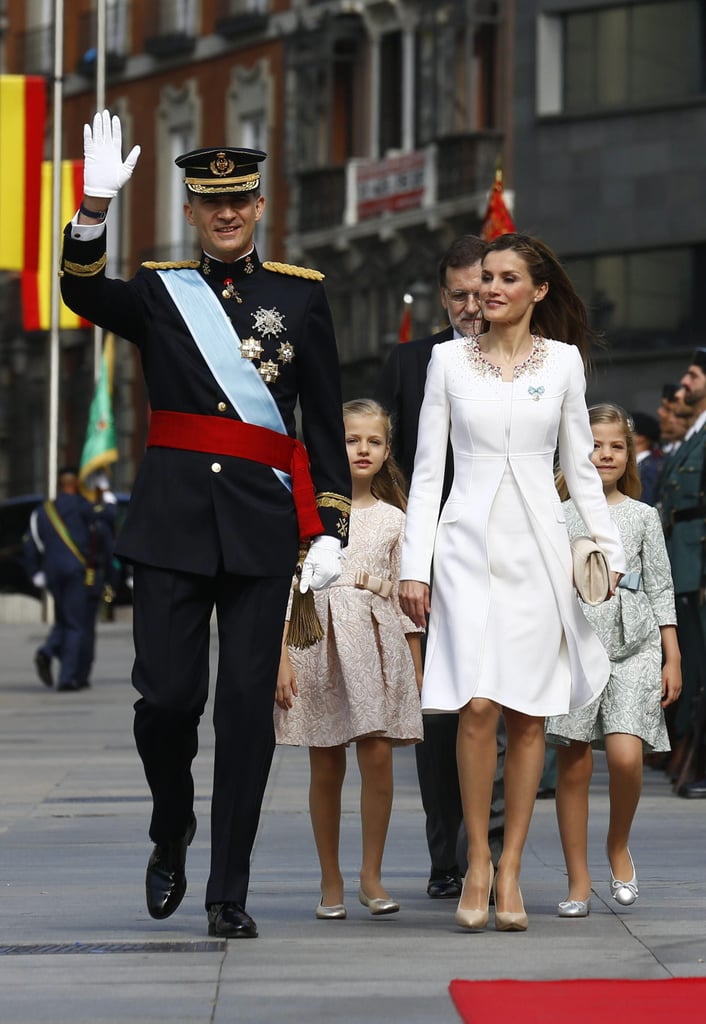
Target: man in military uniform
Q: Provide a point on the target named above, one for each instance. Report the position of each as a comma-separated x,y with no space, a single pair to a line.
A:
65,550
683,503
224,496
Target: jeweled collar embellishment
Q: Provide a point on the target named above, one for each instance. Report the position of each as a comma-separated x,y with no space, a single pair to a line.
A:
482,365
536,393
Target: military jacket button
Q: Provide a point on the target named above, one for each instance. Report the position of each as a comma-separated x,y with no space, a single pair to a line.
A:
222,406
215,467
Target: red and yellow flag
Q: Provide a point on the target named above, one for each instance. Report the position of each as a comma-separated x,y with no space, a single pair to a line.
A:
497,220
36,284
22,123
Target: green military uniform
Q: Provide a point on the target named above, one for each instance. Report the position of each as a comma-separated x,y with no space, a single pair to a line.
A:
683,507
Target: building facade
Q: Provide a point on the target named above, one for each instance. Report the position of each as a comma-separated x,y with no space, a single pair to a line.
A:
384,121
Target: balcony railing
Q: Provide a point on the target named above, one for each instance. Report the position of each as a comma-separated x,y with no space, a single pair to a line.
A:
322,198
171,27
466,163
454,167
37,51
116,38
241,17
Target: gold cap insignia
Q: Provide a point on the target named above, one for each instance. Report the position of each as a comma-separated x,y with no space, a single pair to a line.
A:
221,165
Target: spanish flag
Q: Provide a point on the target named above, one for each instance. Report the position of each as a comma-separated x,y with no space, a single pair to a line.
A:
23,106
36,284
497,220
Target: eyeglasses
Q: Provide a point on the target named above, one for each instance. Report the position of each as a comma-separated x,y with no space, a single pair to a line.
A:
461,298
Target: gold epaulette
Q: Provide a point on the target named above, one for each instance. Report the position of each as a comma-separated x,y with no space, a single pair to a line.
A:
172,265
289,268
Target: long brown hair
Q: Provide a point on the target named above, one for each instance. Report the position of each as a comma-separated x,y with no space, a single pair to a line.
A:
629,483
561,314
388,484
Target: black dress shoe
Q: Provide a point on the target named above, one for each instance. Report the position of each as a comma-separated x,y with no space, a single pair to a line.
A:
230,921
446,887
165,882
42,663
693,790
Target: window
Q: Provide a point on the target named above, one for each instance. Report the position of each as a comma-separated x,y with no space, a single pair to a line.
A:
455,78
642,300
630,55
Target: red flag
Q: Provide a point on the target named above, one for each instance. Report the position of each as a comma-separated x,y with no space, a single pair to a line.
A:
497,219
405,332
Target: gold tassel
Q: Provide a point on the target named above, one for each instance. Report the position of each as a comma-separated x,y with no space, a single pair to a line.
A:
304,627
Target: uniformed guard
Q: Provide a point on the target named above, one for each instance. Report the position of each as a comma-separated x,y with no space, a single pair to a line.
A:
224,496
682,499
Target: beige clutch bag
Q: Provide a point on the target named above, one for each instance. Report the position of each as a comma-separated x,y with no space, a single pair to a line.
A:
591,575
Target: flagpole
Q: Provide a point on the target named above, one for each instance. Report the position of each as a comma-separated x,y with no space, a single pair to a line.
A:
53,411
100,105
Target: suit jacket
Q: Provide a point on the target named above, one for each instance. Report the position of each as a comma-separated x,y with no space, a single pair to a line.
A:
681,489
401,391
193,511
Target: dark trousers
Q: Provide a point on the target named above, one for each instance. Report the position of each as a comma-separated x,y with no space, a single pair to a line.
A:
66,636
171,626
437,771
691,630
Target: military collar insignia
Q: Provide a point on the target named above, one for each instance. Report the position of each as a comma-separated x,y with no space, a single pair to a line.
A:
219,272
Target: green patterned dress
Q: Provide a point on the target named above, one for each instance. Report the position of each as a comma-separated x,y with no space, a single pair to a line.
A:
628,626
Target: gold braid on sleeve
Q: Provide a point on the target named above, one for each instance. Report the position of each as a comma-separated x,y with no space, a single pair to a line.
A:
84,269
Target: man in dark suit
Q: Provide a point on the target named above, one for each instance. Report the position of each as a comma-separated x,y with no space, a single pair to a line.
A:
224,496
401,390
682,496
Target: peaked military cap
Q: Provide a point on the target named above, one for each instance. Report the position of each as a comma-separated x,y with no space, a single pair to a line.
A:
214,171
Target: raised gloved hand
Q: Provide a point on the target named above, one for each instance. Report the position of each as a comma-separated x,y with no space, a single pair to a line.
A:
39,580
322,564
104,170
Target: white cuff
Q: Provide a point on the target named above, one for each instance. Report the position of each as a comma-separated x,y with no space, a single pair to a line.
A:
326,542
86,232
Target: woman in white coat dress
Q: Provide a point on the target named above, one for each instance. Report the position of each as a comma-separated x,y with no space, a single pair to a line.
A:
506,632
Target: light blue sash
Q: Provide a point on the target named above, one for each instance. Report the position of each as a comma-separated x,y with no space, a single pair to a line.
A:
217,340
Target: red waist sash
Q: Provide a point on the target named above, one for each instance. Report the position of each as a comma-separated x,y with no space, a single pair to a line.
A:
219,436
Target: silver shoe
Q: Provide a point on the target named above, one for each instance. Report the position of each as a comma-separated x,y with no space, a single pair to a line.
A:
574,908
624,893
378,905
336,912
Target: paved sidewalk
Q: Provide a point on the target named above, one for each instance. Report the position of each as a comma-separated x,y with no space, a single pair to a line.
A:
78,945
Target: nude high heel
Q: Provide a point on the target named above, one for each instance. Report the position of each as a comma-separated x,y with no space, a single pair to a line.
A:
477,918
510,920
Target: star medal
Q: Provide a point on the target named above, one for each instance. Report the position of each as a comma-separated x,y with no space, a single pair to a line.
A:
268,321
229,291
250,348
269,371
285,352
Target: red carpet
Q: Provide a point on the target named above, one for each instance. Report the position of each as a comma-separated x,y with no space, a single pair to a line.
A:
581,1001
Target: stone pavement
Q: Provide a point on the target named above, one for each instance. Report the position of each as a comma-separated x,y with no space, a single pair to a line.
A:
78,945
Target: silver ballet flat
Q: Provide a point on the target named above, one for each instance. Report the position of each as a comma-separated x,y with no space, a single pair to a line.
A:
378,905
336,912
574,908
624,893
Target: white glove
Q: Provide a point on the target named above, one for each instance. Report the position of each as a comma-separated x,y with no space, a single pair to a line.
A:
39,580
104,172
322,564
